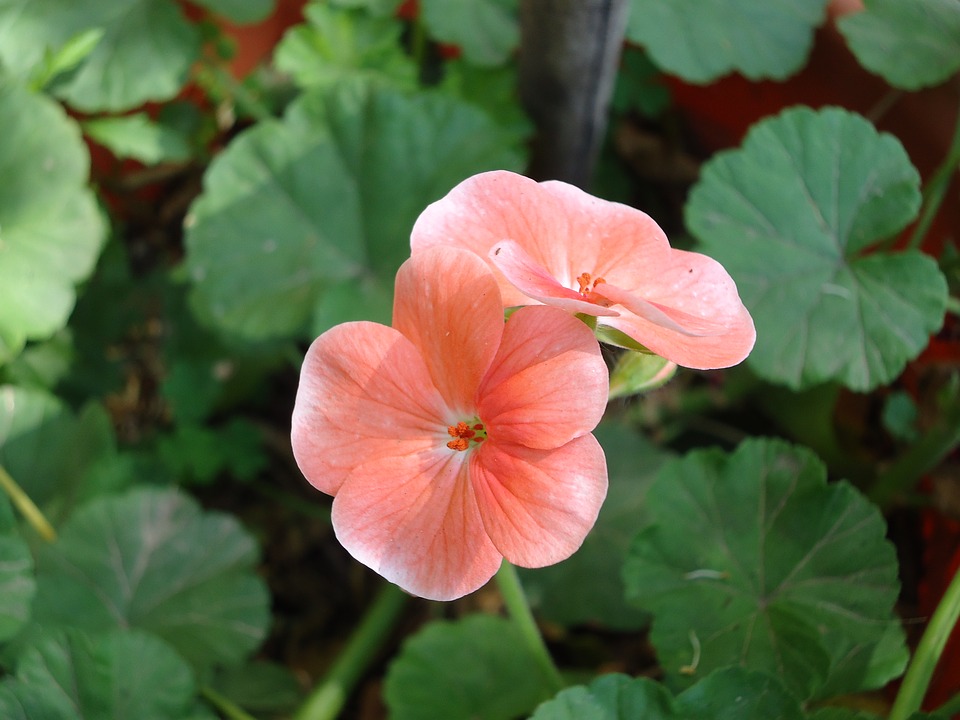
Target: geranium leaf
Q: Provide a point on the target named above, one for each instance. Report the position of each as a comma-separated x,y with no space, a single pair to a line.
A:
119,674
752,559
152,559
145,52
23,702
240,11
794,216
611,697
911,44
50,229
487,31
737,694
587,587
701,40
137,136
16,574
314,202
335,44
478,667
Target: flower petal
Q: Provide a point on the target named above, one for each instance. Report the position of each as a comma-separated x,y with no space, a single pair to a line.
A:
687,310
548,383
447,303
538,505
414,519
534,281
364,390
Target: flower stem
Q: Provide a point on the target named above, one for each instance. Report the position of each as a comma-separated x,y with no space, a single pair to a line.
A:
917,679
936,189
519,609
327,699
224,705
26,506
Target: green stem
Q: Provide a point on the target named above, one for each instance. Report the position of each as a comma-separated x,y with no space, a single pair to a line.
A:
950,708
224,705
519,609
953,305
917,679
26,506
936,189
327,699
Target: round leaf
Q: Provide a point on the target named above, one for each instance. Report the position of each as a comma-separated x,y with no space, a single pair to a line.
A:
152,559
911,44
611,697
735,694
753,560
240,11
478,668
326,198
16,575
120,674
701,40
50,229
487,31
144,53
793,215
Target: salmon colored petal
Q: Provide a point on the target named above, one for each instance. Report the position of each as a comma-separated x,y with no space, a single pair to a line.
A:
414,519
534,281
708,325
448,304
538,505
548,383
363,389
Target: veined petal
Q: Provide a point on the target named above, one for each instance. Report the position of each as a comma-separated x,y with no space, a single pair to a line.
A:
364,391
414,519
538,505
448,304
687,310
535,282
548,383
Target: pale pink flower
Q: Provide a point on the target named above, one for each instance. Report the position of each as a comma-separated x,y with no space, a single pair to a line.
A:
453,440
554,244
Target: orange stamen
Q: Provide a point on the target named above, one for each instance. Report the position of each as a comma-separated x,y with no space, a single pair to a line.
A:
462,434
587,283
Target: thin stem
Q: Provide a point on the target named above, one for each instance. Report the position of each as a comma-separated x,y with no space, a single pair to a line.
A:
224,705
26,506
936,189
950,708
327,699
953,305
519,609
917,679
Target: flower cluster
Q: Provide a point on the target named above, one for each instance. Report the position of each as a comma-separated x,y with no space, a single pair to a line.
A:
454,439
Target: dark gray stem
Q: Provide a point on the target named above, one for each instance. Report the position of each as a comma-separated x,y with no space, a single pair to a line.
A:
569,52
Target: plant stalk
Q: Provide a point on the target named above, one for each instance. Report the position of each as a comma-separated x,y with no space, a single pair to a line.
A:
519,610
327,699
26,506
224,705
936,189
917,680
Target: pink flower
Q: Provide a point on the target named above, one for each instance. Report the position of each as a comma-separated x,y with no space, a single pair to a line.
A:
557,245
453,440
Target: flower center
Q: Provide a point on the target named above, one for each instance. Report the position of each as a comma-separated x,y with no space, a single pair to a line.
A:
465,433
588,283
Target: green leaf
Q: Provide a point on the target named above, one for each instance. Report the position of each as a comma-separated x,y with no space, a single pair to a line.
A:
48,449
795,216
478,668
119,674
50,229
292,208
73,52
23,702
377,8
335,44
639,85
837,713
152,559
701,40
145,52
137,136
240,11
753,560
198,453
731,694
611,697
910,44
260,687
587,587
17,585
487,31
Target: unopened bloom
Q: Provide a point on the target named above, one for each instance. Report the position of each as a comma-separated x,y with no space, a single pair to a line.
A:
453,440
554,244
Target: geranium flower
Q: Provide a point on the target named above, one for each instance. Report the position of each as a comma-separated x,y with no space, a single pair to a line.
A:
554,244
453,440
